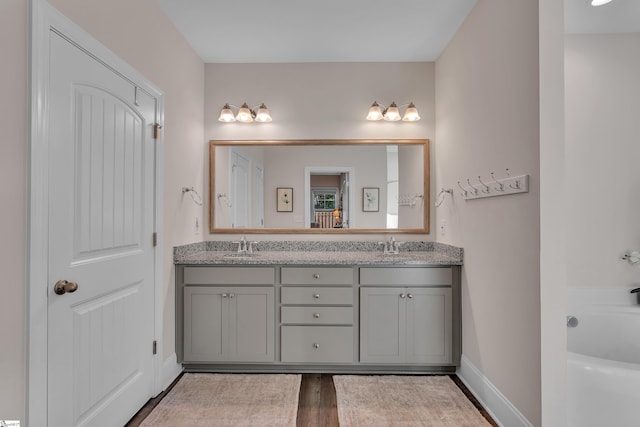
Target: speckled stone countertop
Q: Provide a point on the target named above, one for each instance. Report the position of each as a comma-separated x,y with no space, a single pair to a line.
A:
317,253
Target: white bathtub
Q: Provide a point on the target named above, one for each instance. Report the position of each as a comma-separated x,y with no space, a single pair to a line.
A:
603,365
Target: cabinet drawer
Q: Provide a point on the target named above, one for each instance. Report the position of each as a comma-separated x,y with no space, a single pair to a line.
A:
398,276
229,275
317,344
317,276
318,315
315,295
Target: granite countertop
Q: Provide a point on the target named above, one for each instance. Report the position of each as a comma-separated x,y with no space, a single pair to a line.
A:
317,253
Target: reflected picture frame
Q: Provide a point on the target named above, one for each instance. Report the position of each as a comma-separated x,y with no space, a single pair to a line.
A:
284,199
370,199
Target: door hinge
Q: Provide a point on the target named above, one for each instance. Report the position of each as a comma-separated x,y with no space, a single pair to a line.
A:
156,130
154,239
155,347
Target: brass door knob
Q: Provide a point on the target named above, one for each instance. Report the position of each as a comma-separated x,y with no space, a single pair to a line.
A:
63,286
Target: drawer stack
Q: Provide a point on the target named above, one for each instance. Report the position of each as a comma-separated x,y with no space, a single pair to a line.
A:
317,315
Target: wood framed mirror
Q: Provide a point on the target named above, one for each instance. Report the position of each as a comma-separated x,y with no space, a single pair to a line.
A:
319,186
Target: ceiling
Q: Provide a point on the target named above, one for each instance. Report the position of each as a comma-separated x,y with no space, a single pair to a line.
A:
619,16
252,31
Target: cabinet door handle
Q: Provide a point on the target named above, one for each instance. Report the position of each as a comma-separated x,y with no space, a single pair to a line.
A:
410,296
232,295
316,315
403,296
316,345
316,276
224,295
316,296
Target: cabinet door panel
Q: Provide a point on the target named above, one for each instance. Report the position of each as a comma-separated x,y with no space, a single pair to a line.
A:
429,325
252,322
205,324
382,325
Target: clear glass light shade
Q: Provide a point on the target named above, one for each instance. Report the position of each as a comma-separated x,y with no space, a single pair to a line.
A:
263,115
226,115
375,112
393,113
244,114
411,115
599,2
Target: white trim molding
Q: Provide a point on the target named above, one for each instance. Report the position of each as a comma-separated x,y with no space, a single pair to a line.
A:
170,371
495,403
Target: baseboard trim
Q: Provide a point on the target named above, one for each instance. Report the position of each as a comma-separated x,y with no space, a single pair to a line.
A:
170,370
495,403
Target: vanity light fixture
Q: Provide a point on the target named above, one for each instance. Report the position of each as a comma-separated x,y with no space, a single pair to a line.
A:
392,113
245,114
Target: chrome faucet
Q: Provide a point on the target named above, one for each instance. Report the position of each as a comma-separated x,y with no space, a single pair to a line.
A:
391,246
242,245
245,246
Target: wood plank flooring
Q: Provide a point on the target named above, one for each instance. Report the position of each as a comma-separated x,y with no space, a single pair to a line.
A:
317,405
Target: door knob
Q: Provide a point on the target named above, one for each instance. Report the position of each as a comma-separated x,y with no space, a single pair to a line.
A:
63,286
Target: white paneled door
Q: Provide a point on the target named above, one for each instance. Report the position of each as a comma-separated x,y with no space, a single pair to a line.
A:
101,222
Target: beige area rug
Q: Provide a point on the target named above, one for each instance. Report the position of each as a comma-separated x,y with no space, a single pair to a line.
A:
229,400
403,401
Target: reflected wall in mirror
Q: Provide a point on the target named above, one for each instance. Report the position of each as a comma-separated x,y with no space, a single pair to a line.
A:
327,178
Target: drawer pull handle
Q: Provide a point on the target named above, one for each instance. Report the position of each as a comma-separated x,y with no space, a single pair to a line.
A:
316,276
410,296
316,345
316,296
316,315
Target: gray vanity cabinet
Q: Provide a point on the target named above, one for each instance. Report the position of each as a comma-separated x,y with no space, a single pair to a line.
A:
406,316
228,323
338,318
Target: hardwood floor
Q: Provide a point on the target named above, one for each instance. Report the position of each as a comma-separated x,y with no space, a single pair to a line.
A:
316,405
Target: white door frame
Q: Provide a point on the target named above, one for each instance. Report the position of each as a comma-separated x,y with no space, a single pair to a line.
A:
308,170
45,18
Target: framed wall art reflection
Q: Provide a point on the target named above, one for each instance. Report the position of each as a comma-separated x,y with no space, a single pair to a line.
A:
370,199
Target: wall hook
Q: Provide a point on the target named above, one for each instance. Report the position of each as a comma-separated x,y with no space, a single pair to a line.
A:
222,197
475,190
194,195
500,186
464,190
486,189
441,196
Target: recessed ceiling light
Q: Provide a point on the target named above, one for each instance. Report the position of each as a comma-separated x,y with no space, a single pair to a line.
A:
599,2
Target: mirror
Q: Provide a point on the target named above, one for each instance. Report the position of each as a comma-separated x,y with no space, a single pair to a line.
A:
319,186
